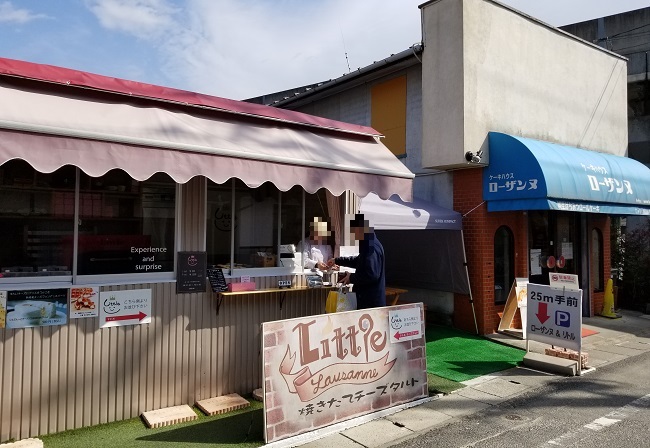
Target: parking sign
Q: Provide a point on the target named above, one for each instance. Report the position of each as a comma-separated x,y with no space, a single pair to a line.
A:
554,316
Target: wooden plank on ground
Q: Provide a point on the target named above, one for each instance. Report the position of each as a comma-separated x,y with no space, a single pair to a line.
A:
169,416
222,404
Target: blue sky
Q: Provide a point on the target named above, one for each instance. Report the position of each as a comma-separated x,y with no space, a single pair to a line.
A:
234,48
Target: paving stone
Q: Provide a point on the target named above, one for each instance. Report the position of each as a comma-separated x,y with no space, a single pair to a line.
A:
619,350
222,404
335,440
599,357
169,416
501,387
527,377
479,395
376,433
418,418
456,405
637,345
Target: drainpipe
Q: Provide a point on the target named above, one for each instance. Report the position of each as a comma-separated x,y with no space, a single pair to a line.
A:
601,35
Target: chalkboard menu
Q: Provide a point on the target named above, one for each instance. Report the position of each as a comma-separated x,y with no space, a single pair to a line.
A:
217,280
190,272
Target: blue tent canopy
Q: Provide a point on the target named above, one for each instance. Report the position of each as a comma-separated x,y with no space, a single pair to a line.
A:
526,174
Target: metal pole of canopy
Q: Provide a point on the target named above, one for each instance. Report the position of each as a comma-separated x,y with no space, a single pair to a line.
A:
471,298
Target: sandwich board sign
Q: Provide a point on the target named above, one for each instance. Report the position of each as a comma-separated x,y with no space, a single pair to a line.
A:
517,299
555,316
327,369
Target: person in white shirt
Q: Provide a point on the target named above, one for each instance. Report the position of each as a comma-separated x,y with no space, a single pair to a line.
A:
315,248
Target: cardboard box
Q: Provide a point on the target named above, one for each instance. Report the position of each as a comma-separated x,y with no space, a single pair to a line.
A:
242,286
263,261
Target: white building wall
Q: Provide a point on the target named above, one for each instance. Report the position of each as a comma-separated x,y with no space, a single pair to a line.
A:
489,68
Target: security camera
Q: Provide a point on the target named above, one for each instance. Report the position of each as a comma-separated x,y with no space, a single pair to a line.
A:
474,158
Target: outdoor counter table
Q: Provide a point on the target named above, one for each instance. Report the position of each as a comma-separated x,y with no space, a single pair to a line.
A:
393,294
279,291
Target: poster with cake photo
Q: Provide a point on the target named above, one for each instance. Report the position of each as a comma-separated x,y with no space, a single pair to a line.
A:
37,308
3,308
83,302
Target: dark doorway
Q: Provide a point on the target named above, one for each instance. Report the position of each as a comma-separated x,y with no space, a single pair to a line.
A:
554,244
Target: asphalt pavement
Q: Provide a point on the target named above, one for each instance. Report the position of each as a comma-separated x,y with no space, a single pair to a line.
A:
615,340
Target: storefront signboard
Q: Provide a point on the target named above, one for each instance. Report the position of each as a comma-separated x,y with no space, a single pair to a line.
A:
322,370
190,272
560,280
84,302
555,316
36,308
120,308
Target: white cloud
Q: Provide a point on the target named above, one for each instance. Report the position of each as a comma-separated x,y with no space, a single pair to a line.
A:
242,49
9,13
145,19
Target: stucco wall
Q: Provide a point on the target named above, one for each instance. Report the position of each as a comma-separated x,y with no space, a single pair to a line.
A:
509,73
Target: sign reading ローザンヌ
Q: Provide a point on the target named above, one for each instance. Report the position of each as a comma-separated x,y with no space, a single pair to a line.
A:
321,370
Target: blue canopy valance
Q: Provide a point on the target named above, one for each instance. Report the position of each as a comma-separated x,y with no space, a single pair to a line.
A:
526,174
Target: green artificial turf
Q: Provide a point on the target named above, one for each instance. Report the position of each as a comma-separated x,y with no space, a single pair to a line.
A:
460,356
243,428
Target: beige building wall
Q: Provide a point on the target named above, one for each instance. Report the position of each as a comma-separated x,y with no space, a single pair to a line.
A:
489,68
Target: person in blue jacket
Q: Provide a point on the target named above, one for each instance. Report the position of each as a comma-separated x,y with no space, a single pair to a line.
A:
369,278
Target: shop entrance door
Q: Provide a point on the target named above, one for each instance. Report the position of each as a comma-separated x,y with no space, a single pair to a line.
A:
554,245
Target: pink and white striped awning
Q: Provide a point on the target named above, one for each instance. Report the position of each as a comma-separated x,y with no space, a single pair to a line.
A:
53,117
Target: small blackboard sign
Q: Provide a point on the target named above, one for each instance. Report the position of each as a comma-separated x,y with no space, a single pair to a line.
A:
190,272
217,280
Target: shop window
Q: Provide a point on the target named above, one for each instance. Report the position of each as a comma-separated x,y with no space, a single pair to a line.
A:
262,223
126,226
504,264
388,113
597,269
36,220
256,215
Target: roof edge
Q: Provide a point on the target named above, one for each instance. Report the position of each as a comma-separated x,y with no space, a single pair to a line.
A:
541,22
412,51
79,79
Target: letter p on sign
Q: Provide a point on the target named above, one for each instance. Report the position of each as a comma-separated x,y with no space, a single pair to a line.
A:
562,319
